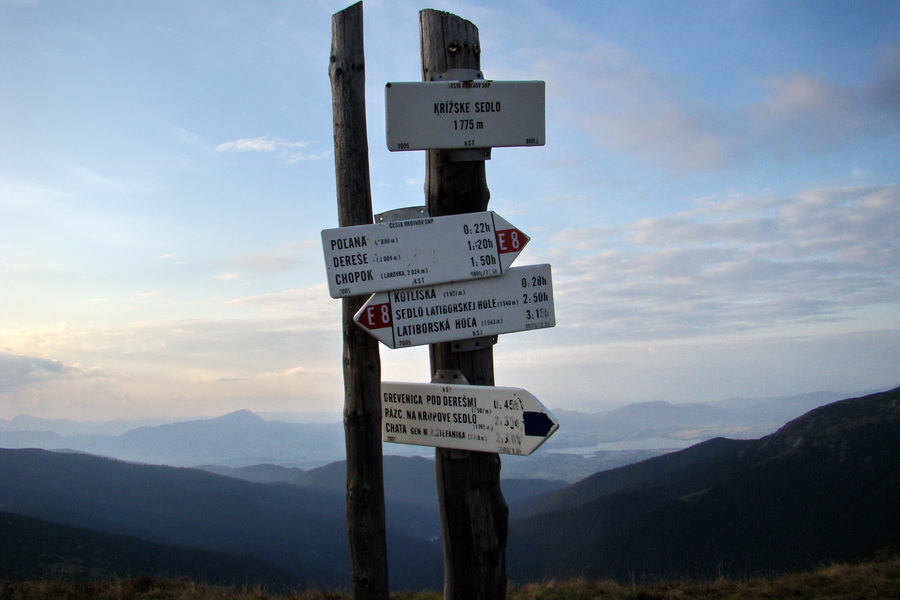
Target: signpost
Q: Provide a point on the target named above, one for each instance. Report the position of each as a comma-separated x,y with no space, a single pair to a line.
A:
361,364
464,114
436,279
465,417
425,251
520,300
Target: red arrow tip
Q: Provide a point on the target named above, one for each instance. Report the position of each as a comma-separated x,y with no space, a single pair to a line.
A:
511,240
375,316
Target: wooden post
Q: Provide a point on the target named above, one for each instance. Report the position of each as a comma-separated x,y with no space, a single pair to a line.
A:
474,515
362,362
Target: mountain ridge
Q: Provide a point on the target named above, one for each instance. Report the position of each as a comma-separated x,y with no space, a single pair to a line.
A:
302,531
35,549
825,486
585,443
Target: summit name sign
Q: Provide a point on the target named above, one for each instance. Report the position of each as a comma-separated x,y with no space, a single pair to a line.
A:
520,300
395,255
449,115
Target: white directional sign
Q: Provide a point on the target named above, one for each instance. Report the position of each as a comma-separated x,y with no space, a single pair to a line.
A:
394,255
520,300
465,417
464,114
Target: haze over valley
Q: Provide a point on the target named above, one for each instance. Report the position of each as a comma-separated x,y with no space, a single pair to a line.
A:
721,506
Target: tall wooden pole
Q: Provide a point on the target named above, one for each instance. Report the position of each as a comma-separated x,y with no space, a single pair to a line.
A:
362,363
474,515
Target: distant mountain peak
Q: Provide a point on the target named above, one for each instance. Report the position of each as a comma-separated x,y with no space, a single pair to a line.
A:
241,416
652,407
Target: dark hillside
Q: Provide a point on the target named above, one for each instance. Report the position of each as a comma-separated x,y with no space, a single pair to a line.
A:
701,462
410,488
412,481
825,487
36,549
300,530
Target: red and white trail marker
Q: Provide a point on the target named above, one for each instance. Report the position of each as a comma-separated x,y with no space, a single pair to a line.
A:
396,255
520,300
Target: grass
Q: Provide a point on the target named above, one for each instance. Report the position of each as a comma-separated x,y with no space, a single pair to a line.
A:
865,581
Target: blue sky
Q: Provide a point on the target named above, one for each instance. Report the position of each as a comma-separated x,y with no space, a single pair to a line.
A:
719,197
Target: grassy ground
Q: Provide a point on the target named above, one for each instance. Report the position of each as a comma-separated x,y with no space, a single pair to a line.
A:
875,580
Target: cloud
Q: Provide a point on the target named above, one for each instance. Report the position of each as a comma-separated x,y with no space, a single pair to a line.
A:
286,149
884,91
287,257
259,144
626,105
742,264
20,371
805,113
313,304
623,105
702,370
802,112
159,358
295,157
294,372
822,109
284,258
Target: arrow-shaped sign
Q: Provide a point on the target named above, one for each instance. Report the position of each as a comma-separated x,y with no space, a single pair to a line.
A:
465,417
521,300
396,255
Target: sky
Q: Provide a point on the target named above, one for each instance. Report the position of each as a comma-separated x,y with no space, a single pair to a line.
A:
718,196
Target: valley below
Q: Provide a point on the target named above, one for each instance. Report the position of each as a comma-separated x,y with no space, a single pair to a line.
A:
821,488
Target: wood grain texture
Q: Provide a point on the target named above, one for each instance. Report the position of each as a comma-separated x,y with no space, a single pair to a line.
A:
474,514
361,359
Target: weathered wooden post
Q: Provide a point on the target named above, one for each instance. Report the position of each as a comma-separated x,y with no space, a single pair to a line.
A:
474,515
362,363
